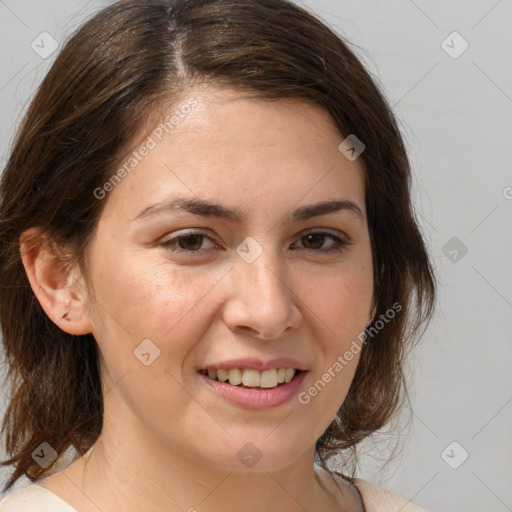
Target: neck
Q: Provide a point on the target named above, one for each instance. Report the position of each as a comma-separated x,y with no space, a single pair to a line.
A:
176,482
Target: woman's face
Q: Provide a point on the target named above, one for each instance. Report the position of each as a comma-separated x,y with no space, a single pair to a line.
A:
259,281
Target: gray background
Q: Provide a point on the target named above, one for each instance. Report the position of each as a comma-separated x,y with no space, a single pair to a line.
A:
456,118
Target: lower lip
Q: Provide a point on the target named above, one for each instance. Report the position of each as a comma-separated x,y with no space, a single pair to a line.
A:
257,398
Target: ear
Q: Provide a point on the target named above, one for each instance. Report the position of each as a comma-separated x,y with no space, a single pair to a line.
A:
57,284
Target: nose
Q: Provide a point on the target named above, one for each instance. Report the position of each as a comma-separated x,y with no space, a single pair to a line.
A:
263,301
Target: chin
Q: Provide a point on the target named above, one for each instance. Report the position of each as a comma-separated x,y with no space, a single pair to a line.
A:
258,456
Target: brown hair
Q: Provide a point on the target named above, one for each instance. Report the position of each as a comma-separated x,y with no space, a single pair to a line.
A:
117,69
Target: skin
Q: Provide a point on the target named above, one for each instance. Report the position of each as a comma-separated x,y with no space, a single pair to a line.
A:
168,441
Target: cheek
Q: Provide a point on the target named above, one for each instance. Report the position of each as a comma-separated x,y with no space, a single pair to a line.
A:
340,300
339,311
139,299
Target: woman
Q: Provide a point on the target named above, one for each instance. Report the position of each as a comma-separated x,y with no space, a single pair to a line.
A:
211,272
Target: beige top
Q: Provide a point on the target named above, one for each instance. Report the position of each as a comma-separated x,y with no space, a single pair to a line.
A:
34,498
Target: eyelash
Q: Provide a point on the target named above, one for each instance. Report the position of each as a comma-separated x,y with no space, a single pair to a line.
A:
170,243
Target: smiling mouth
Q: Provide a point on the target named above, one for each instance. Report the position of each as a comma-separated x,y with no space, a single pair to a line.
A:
250,378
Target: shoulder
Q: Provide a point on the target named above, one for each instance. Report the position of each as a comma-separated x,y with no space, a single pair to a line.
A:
379,499
34,498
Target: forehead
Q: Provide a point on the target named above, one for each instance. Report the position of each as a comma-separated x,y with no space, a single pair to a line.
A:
226,144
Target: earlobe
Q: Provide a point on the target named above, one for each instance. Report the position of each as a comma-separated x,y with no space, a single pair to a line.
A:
54,282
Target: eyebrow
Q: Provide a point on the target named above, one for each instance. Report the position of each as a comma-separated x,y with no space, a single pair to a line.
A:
205,208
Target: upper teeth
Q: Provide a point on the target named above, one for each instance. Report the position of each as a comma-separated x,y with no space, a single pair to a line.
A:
253,378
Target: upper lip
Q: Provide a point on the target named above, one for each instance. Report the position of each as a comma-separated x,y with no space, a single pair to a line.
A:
256,364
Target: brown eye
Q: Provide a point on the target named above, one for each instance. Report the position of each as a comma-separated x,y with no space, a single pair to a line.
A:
190,242
314,241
